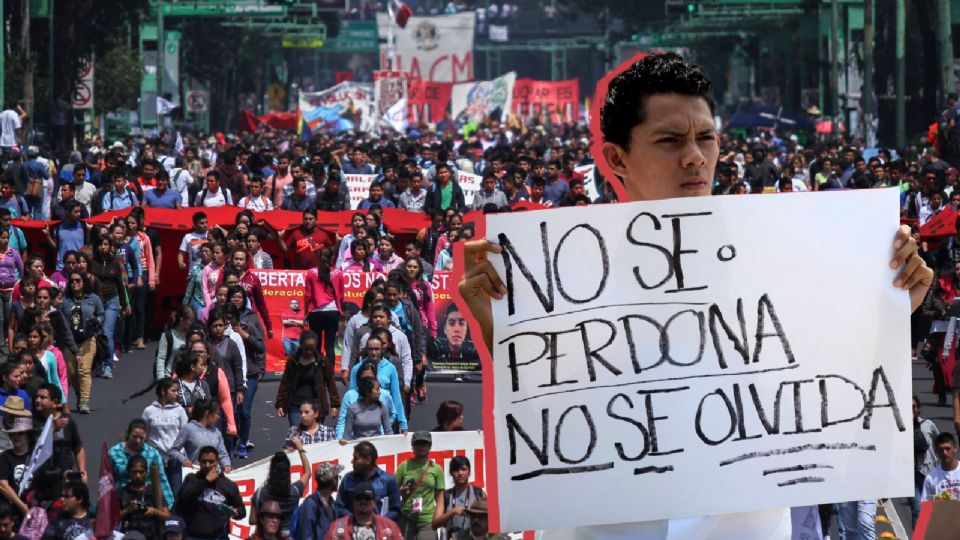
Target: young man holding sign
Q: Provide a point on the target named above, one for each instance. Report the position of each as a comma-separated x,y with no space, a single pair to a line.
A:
659,138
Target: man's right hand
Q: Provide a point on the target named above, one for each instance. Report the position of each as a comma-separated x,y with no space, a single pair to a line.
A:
212,474
480,283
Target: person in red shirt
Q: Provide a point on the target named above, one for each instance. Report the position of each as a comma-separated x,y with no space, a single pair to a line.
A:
307,242
293,322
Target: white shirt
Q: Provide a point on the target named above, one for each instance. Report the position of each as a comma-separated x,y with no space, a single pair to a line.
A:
941,481
9,124
191,246
211,199
180,181
257,204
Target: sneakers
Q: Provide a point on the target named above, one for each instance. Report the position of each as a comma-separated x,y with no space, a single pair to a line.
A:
83,408
250,445
241,452
116,358
140,344
106,373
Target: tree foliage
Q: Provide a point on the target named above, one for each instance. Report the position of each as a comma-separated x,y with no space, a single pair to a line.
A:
119,73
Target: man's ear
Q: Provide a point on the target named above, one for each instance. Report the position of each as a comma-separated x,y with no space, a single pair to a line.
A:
615,155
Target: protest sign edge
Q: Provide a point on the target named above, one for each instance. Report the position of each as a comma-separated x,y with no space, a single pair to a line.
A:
487,392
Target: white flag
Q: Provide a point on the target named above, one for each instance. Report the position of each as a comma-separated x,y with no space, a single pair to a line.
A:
396,115
41,453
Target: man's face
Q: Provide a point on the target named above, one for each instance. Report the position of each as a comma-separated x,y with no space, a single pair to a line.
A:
421,449
201,225
576,191
283,162
478,525
539,170
300,189
936,201
360,464
358,156
43,402
536,191
6,527
66,192
443,175
119,183
138,474
455,329
256,188
947,454
376,192
489,184
309,221
673,153
208,462
416,183
6,190
149,170
378,319
552,171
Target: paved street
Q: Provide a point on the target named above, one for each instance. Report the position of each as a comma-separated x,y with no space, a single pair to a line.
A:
110,415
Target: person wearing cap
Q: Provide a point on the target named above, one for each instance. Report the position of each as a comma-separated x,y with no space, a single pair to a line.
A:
479,528
38,171
13,462
318,511
421,487
365,523
173,528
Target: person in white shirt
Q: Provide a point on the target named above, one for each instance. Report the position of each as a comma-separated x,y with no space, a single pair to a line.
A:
181,179
932,208
944,480
213,194
11,125
256,200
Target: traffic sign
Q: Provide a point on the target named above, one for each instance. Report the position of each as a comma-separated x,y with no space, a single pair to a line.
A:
197,101
82,96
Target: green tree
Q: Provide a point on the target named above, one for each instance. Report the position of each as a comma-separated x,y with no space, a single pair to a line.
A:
119,73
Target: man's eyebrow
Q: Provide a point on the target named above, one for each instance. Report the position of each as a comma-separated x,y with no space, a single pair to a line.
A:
679,133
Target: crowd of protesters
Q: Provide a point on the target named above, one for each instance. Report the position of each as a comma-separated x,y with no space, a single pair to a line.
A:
74,306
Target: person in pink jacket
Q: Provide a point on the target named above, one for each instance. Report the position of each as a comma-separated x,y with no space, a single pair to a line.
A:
211,273
324,302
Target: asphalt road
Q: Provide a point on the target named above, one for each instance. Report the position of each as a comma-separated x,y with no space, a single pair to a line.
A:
110,414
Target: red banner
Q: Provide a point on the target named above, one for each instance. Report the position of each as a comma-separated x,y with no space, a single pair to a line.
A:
942,224
558,99
428,101
283,290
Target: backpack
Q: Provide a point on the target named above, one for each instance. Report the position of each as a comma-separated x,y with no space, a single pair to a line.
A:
295,518
34,523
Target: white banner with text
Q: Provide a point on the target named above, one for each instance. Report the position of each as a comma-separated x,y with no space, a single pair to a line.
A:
697,356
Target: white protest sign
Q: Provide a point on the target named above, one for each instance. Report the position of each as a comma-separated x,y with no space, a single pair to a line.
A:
438,48
359,187
391,451
589,173
697,356
470,184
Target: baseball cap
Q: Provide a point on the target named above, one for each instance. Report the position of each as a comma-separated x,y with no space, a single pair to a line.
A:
422,436
328,472
364,490
174,524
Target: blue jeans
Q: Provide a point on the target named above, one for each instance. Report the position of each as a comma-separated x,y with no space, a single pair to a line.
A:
857,520
174,471
290,345
111,312
293,416
246,410
197,308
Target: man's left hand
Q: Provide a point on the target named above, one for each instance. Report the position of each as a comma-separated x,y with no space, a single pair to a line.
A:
915,276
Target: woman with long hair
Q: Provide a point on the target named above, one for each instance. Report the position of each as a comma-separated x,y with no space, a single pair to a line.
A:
165,418
189,371
306,377
173,337
201,431
84,313
11,268
150,268
387,253
324,301
211,273
40,344
34,267
421,292
248,328
368,416
240,261
367,369
309,430
278,488
360,259
27,300
109,272
379,353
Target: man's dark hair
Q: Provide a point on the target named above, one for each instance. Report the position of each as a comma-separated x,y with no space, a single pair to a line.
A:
623,106
443,165
366,450
208,450
80,491
55,394
537,181
945,437
198,217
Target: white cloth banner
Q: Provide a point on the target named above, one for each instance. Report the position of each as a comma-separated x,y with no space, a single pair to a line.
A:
391,451
390,96
41,453
359,187
475,101
438,49
653,355
470,184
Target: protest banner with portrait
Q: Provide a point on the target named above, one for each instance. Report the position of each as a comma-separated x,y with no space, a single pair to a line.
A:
672,350
283,292
452,350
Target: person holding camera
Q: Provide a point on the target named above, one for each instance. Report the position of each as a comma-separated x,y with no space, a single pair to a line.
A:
139,500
